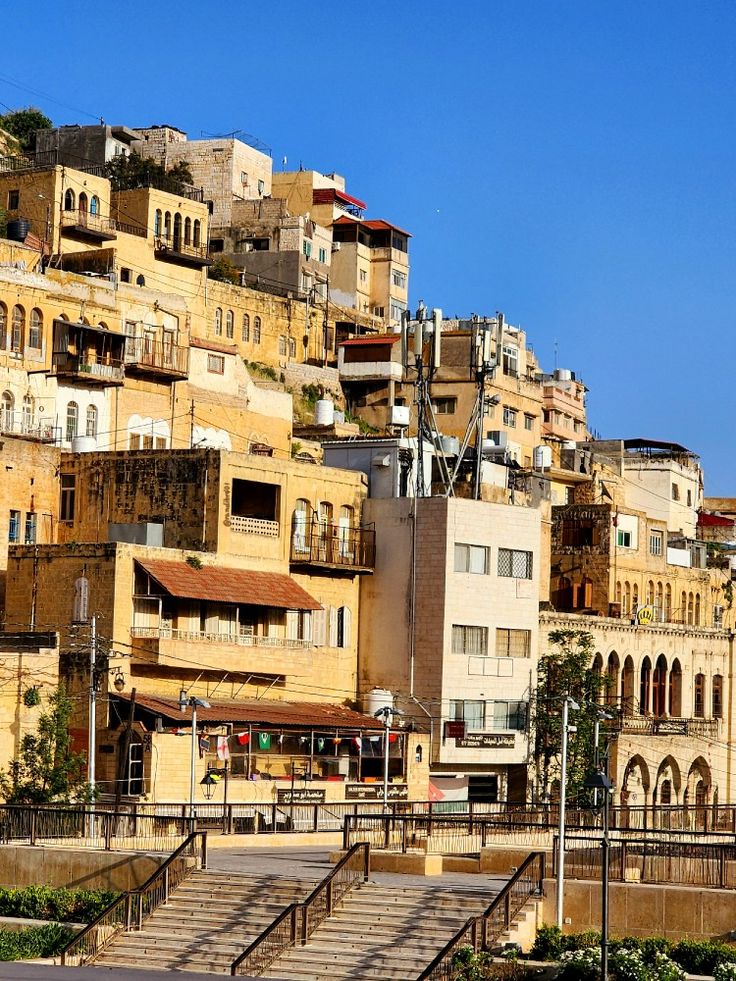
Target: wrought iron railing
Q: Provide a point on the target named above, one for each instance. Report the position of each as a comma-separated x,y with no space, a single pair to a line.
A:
175,247
298,921
198,636
326,543
132,909
86,220
482,932
89,365
22,424
156,355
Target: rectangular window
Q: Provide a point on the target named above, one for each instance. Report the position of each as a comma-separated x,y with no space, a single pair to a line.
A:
510,360
675,492
656,539
134,442
623,538
363,274
282,345
216,364
307,248
261,187
528,422
580,533
30,533
514,563
472,558
509,417
397,310
14,527
513,643
399,279
469,640
160,442
689,498
13,200
472,713
322,255
445,406
717,616
68,495
126,276
148,442
717,693
507,715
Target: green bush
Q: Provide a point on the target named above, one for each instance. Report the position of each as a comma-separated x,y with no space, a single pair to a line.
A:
702,956
44,941
61,905
548,945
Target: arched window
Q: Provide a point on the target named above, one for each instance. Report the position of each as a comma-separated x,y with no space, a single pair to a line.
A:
69,200
218,322
645,682
3,326
27,417
7,405
716,697
667,603
35,329
187,231
675,689
699,700
91,429
627,686
72,418
609,691
683,608
650,593
301,538
658,603
325,530
18,328
82,203
257,330
634,597
697,609
157,223
665,792
177,231
196,233
245,335
230,324
345,533
626,608
659,687
167,226
690,609
94,205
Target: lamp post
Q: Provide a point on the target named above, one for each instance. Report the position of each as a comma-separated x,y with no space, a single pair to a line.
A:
599,781
387,712
567,703
193,703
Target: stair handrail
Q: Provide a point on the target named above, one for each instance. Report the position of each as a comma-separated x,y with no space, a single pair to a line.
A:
480,931
131,908
304,917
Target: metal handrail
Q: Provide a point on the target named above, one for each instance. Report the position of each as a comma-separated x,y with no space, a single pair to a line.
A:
259,955
476,928
115,919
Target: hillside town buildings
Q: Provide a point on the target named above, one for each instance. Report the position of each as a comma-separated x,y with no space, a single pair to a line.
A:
311,589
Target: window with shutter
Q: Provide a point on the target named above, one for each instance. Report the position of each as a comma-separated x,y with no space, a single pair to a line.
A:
319,628
292,624
333,626
345,626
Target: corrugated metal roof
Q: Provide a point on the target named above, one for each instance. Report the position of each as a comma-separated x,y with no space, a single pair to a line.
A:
222,585
323,195
372,339
317,715
375,224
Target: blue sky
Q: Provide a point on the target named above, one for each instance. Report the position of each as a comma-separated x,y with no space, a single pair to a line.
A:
570,163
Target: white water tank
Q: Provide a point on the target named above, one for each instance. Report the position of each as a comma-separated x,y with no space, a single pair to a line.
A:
542,457
450,445
563,374
376,699
324,412
84,444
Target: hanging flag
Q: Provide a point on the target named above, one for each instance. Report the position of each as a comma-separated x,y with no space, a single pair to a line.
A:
264,740
393,737
281,739
337,740
223,750
243,738
303,739
320,744
204,746
358,743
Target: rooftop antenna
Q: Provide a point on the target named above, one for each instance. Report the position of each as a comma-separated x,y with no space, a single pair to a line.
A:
421,350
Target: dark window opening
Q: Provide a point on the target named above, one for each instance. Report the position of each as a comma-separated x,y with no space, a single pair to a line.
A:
217,245
580,533
251,499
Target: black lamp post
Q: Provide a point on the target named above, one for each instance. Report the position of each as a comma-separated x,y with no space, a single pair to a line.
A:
209,783
600,783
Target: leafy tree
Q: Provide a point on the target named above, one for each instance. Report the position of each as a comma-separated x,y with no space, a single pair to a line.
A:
224,271
566,670
46,770
129,172
23,123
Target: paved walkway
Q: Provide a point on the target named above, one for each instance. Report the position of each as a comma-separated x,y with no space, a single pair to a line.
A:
19,971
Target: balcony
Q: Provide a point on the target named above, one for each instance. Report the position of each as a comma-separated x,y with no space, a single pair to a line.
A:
86,226
173,250
702,728
90,368
22,424
156,358
333,546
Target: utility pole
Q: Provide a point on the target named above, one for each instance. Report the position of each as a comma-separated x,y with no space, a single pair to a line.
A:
416,334
92,747
567,704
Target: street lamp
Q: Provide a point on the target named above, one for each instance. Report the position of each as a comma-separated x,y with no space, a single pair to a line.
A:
568,702
599,781
193,703
209,783
386,713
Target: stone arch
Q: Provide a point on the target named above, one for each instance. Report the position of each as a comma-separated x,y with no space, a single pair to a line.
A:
635,789
675,689
668,785
613,666
628,686
645,685
659,687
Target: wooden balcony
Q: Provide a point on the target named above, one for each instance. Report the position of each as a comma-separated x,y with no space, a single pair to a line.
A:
333,546
92,370
88,227
173,250
159,358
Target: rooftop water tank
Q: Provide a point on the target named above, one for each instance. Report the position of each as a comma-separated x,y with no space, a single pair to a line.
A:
376,699
563,374
324,412
450,445
542,457
84,444
18,229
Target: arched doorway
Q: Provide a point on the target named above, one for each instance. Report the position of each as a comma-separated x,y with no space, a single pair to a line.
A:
635,788
645,686
659,687
611,680
667,793
675,689
627,686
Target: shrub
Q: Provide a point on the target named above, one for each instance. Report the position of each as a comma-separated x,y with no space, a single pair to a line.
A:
702,956
43,941
548,945
62,905
725,971
580,965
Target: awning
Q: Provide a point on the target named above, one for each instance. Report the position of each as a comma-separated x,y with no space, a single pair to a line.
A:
323,195
311,715
221,585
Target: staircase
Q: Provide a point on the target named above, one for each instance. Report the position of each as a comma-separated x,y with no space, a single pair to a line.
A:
207,922
381,932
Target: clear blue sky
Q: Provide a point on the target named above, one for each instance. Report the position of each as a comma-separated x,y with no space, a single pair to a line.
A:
569,163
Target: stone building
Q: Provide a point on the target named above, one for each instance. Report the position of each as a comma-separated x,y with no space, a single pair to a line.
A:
29,671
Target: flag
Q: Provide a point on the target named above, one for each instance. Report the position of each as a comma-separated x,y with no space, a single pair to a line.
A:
337,741
393,737
243,738
264,740
204,746
223,750
358,742
320,744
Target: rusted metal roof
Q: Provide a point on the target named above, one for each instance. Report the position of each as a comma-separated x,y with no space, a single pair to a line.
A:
375,224
371,340
208,345
324,195
222,585
313,715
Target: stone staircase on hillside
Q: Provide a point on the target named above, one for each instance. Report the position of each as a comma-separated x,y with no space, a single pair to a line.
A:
381,932
208,921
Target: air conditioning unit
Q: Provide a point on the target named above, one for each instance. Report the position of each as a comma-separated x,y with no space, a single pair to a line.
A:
336,246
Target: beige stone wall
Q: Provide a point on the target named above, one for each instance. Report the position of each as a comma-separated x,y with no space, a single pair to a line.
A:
30,665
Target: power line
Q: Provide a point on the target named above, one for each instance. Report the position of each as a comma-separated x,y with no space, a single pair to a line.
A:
49,98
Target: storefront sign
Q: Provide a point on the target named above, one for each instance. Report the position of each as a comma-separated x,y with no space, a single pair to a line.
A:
454,730
374,791
301,795
486,740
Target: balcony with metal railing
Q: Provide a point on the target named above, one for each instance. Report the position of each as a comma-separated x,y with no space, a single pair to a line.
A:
156,357
173,249
84,225
23,424
90,368
333,546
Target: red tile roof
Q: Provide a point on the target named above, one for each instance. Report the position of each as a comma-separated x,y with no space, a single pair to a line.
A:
376,224
221,585
259,712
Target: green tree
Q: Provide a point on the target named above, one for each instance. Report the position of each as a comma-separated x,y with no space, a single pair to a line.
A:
46,770
23,123
129,172
566,670
223,270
